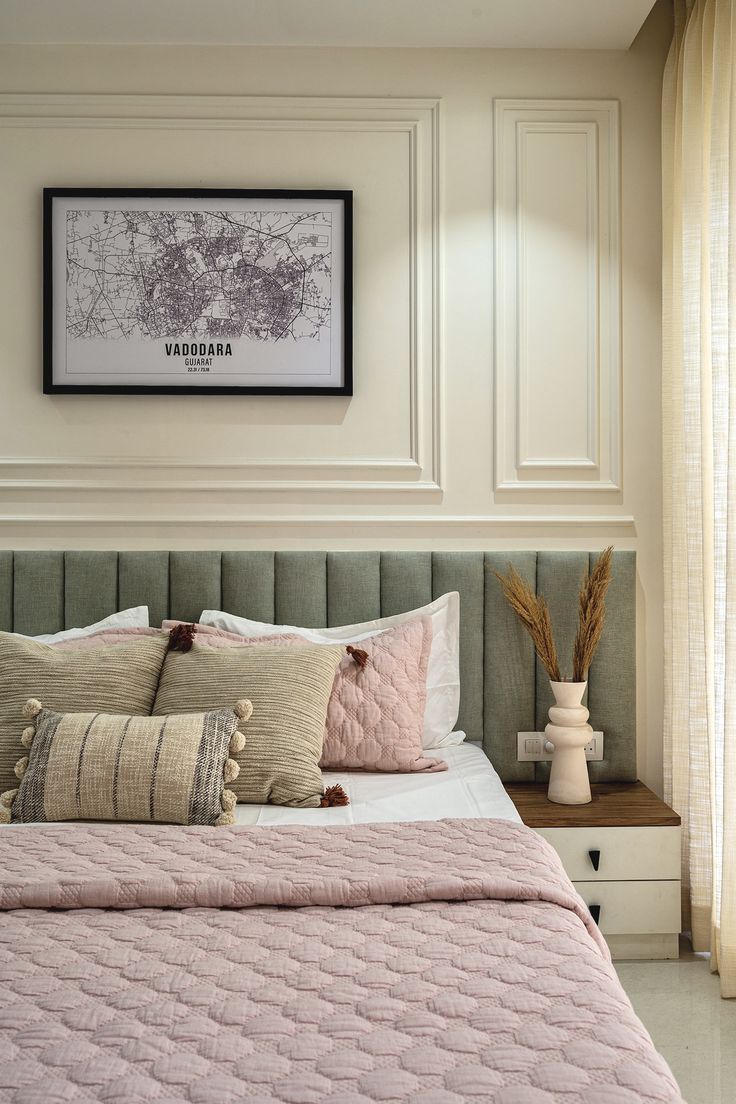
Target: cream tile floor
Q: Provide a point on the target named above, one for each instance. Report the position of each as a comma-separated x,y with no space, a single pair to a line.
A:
680,1005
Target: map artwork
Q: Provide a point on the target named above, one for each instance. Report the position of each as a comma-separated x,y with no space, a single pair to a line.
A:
211,275
244,294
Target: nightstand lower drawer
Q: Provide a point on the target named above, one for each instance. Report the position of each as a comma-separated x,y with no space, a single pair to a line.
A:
621,854
634,908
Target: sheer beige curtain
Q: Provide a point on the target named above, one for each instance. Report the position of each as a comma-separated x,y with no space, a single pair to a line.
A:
699,412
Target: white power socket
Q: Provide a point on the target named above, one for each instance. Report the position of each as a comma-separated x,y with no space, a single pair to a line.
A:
532,748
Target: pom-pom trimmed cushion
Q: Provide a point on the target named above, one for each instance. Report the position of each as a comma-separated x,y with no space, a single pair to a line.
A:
102,766
289,689
108,678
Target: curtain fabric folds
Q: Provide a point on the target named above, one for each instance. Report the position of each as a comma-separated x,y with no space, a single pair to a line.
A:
699,430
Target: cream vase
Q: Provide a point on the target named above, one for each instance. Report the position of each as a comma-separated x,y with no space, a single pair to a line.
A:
569,731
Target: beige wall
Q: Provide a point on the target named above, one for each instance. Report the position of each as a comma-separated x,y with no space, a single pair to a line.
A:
418,456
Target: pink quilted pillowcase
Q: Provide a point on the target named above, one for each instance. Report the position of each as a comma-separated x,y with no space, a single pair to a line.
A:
375,717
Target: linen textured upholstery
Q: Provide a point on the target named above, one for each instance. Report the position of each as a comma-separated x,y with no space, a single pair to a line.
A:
503,689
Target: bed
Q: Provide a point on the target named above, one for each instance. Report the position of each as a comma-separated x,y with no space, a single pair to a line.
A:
420,945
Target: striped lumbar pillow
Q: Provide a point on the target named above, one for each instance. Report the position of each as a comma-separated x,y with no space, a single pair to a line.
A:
104,766
289,688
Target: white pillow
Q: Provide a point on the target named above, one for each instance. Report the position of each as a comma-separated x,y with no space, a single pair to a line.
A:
134,618
443,669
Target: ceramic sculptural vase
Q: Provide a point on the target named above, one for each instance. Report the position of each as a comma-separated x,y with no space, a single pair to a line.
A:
569,731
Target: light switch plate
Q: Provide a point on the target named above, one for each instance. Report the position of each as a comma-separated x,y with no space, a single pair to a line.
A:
531,748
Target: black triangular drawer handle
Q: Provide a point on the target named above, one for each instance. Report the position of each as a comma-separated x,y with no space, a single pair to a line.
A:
595,858
595,912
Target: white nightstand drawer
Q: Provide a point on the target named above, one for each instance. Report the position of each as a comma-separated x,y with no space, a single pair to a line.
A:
634,908
624,854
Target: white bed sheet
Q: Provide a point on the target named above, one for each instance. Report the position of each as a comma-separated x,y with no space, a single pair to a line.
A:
470,788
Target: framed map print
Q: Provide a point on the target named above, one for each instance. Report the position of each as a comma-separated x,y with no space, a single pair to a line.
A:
191,292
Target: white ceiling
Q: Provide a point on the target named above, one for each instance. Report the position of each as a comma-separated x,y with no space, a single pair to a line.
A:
548,24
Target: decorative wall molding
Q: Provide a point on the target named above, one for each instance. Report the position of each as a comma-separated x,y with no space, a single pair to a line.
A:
467,524
144,474
419,120
557,295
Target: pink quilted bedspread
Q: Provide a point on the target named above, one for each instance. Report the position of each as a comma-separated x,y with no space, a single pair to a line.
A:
148,963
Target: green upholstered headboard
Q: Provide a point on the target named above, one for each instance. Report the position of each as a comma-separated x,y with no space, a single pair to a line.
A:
504,690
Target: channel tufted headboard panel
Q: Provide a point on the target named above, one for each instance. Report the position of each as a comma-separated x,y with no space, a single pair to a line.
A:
504,690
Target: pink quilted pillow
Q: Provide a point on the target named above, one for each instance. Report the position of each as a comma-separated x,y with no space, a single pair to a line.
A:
375,717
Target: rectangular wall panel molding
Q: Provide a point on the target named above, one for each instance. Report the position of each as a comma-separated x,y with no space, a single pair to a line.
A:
557,296
408,131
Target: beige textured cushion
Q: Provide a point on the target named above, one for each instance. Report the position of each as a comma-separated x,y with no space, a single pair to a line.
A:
103,766
289,689
115,678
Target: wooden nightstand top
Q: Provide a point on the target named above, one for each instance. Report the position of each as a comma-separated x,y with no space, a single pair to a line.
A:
614,805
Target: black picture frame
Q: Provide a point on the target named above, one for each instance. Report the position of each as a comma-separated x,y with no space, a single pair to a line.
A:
52,386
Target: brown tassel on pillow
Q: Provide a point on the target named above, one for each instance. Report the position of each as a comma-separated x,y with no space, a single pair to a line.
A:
181,638
360,657
333,795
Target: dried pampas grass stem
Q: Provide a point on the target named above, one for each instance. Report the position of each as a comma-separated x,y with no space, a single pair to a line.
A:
533,612
592,615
